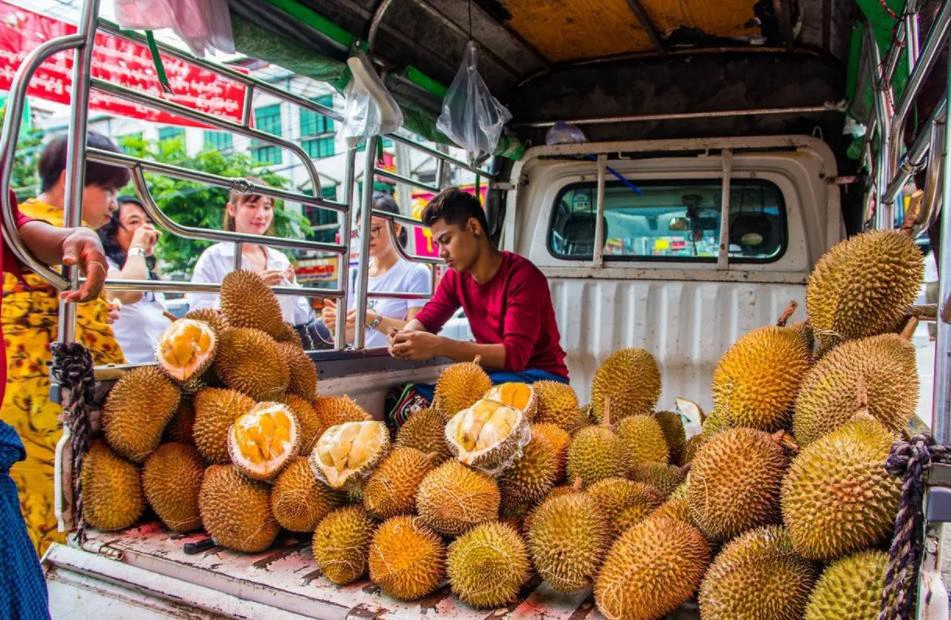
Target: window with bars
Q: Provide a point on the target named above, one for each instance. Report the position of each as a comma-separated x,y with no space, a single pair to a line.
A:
221,141
267,119
318,148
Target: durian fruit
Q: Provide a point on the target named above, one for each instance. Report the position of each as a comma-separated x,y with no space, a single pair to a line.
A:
653,568
112,489
171,480
631,379
885,364
665,478
525,483
246,301
346,454
674,508
236,511
311,426
341,544
334,410
631,516
519,396
735,482
567,538
487,435
303,372
596,452
454,498
756,381
215,411
488,565
850,588
263,440
714,423
391,489
673,427
185,351
459,387
425,431
555,492
407,560
139,406
559,440
643,440
863,286
179,429
249,361
289,335
690,449
211,316
298,501
615,495
757,575
557,404
837,497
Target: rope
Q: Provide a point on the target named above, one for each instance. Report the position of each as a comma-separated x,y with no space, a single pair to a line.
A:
72,370
909,460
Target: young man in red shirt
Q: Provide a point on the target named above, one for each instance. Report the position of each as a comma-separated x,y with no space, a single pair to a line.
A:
505,298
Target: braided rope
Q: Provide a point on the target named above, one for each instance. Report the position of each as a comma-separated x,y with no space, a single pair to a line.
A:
909,460
72,369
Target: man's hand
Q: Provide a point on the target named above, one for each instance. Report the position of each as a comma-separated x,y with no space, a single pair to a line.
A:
82,247
415,345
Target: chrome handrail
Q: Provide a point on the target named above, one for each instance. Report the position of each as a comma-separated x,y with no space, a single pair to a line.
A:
180,286
411,221
405,180
919,153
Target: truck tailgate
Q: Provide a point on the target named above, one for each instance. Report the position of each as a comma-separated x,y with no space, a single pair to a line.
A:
146,568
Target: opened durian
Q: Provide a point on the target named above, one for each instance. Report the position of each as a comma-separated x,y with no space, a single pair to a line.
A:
185,351
264,440
346,454
520,396
488,436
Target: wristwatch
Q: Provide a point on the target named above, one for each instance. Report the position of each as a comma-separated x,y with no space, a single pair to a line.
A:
375,322
136,251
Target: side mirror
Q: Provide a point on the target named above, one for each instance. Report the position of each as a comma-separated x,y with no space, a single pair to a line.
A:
679,224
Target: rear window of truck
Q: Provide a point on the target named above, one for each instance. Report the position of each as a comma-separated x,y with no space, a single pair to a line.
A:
670,221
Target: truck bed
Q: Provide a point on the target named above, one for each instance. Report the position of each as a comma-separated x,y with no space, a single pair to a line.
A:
150,572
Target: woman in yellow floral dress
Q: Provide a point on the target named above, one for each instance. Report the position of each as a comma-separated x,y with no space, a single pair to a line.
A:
30,311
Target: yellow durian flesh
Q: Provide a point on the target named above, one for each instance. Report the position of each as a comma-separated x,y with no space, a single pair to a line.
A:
186,348
346,454
520,396
263,440
488,436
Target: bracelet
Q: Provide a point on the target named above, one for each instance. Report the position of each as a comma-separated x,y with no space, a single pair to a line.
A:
375,322
136,251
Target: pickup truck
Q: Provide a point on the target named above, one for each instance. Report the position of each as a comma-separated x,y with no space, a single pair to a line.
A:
723,155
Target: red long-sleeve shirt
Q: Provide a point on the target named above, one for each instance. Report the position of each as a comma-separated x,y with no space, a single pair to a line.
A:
513,308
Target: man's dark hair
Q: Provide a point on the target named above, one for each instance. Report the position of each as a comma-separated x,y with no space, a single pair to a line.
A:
454,206
53,162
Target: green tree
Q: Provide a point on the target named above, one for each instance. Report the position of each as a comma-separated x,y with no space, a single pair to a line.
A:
25,182
199,205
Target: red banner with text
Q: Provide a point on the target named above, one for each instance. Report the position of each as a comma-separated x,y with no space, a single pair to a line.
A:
118,61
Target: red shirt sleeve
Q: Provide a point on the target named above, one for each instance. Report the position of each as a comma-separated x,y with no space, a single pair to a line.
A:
443,305
522,322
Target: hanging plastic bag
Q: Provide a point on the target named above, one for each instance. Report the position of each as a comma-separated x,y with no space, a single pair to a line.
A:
565,133
202,24
370,109
471,117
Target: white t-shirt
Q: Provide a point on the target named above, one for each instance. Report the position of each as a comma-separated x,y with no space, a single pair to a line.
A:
404,277
140,325
218,261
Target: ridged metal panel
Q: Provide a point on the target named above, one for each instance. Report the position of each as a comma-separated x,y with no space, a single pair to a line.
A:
686,325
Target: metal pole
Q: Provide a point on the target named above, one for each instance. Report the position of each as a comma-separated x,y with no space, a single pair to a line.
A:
723,251
363,267
76,155
597,254
940,422
343,261
676,116
884,118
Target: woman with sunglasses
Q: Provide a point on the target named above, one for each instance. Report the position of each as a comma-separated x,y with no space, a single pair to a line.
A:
252,214
129,240
388,272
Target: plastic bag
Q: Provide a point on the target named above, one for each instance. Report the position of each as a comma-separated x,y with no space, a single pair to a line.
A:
565,133
370,109
202,24
471,117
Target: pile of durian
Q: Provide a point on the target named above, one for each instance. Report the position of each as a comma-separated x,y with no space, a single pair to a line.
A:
779,508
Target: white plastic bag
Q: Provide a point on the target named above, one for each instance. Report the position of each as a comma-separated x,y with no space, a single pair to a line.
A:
202,24
370,109
471,117
565,133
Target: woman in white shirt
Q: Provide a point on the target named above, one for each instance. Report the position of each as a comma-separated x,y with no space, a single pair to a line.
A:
129,240
388,272
252,214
